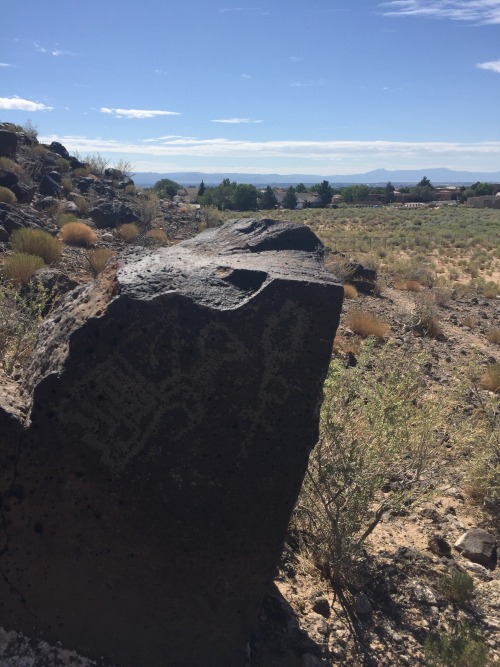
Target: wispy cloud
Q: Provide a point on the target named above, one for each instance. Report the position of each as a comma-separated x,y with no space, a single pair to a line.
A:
6,65
246,76
308,84
53,52
18,104
476,11
252,10
492,65
294,59
235,121
167,137
137,113
350,156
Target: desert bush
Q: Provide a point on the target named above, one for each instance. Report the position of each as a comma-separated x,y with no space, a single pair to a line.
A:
66,184
366,324
158,236
416,269
96,164
462,647
442,296
21,314
125,167
63,165
147,207
491,290
408,285
210,216
457,587
494,336
340,266
78,233
380,448
82,204
36,242
128,232
9,165
7,196
129,189
98,258
490,379
19,267
350,292
425,320
81,172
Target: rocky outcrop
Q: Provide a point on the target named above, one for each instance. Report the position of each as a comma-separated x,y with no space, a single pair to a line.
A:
173,404
8,143
477,545
108,214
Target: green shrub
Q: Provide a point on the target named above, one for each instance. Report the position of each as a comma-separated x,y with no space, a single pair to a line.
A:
463,647
66,184
63,219
7,196
21,313
36,242
458,587
19,267
379,431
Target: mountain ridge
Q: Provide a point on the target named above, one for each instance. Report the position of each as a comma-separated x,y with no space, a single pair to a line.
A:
437,176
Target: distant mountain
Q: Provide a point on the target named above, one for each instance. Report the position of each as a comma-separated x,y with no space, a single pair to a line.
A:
440,176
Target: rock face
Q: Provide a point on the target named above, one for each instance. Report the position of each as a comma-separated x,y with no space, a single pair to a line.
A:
476,545
173,405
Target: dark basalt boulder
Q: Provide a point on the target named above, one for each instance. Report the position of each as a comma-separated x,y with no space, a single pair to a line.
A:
14,217
8,178
24,193
48,187
108,214
173,404
58,148
8,143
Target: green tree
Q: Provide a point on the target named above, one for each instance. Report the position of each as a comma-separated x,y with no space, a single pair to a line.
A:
355,193
244,197
300,187
425,183
389,192
268,199
201,189
166,188
223,195
325,192
290,198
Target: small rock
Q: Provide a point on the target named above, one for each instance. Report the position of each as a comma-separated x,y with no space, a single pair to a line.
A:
424,594
362,605
476,545
438,545
322,606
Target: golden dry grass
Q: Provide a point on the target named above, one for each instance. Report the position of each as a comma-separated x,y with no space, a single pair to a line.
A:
494,336
98,259
7,196
366,324
20,266
491,379
36,242
78,233
350,292
128,232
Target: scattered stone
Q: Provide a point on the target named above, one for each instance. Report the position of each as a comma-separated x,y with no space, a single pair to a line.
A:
321,606
108,214
48,187
476,545
8,143
362,605
438,545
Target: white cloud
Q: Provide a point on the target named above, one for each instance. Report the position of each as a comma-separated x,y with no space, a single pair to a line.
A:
167,136
60,52
477,11
295,59
54,52
296,156
308,84
235,121
18,104
6,65
137,113
246,76
492,65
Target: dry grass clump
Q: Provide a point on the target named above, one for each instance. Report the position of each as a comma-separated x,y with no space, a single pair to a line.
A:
344,345
158,236
63,219
20,266
491,290
130,189
491,379
408,285
66,184
425,318
81,172
9,165
36,242
82,203
494,336
350,292
128,232
78,233
340,266
366,324
98,259
7,196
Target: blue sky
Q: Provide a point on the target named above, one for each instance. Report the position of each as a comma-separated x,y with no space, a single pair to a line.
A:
320,87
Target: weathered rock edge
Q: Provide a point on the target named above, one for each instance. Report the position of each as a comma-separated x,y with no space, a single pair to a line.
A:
172,408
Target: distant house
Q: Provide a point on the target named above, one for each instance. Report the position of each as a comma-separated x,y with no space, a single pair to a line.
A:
487,201
304,199
186,195
446,194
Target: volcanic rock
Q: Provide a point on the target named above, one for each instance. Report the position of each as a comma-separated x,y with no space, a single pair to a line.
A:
173,404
